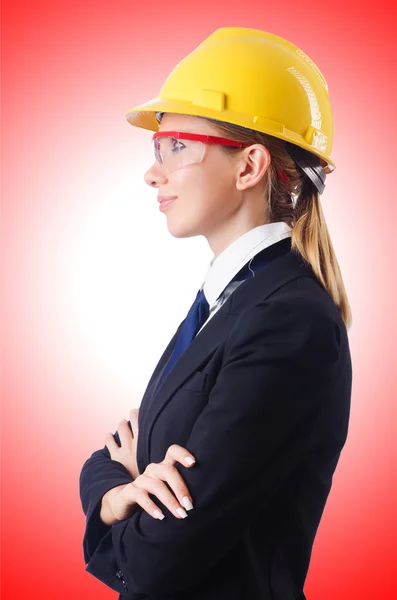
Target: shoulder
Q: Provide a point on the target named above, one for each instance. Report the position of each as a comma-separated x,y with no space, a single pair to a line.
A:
302,297
298,320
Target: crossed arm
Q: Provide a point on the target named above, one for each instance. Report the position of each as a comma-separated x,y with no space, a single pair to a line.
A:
256,428
99,474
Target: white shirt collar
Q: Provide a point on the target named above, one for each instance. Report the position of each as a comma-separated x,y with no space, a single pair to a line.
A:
228,263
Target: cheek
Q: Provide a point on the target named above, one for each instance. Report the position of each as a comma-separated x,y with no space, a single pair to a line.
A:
204,192
216,194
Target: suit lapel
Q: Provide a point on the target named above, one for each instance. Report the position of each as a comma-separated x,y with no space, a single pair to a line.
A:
268,279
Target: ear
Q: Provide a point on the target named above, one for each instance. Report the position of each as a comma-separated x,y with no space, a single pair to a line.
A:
252,166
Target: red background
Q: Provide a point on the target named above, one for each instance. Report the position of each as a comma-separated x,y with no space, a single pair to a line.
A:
72,163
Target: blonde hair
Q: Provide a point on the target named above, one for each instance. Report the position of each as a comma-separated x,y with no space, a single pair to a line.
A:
298,203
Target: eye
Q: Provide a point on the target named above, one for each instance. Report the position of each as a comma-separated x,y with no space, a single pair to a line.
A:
176,149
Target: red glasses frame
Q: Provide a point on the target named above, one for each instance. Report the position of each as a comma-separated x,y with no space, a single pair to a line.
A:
209,139
212,139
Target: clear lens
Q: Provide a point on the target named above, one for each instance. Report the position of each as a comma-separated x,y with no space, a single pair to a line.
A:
173,153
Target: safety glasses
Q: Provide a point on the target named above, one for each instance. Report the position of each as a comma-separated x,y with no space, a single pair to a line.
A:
172,154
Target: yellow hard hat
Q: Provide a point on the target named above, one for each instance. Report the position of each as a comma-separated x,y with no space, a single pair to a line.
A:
254,79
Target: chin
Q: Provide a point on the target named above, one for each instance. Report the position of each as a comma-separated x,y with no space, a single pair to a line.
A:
182,230
182,233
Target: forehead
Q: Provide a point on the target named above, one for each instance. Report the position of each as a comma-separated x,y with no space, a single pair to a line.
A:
188,123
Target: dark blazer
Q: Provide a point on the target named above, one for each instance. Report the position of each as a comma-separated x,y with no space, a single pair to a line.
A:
261,398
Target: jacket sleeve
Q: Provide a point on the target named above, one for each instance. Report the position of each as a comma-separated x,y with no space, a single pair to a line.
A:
98,475
261,414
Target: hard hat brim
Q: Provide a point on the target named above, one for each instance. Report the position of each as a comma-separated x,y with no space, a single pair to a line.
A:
144,116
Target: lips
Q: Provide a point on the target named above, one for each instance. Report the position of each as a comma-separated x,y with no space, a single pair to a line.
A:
164,204
165,198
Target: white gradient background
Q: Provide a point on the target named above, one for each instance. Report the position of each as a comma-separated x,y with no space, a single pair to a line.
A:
93,285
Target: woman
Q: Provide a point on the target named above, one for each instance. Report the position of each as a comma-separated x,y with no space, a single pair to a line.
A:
255,385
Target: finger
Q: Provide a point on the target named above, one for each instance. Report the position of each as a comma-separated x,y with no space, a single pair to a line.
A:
157,487
170,474
110,443
125,433
179,454
134,421
141,497
122,504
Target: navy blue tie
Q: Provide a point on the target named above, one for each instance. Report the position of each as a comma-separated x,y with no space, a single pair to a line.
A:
196,317
199,311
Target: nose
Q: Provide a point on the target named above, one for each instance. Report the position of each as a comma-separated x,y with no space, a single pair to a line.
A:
155,175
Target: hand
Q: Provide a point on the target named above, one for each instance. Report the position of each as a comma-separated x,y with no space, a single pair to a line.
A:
126,453
122,501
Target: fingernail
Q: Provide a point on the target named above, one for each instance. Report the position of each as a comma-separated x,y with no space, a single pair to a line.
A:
187,503
158,515
189,460
181,512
